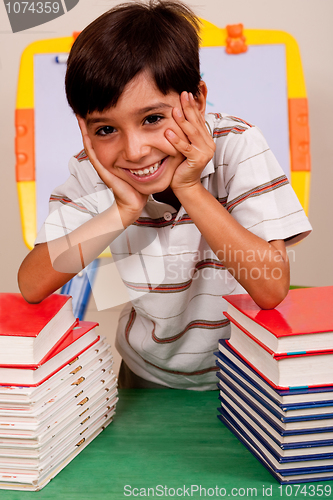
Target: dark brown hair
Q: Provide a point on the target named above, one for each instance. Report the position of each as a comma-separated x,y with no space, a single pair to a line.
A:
161,36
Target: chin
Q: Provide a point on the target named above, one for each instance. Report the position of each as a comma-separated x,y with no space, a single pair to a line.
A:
147,191
156,187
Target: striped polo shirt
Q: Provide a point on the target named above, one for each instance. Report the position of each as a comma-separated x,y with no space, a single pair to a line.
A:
169,331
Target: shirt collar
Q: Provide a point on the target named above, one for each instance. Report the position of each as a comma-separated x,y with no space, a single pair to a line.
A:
209,169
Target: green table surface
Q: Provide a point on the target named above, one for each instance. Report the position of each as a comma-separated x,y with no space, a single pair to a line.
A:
168,443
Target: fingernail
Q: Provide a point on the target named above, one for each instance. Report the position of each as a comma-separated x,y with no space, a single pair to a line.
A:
178,112
170,134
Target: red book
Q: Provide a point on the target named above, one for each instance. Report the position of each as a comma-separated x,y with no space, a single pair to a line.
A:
78,340
312,369
28,332
289,346
303,322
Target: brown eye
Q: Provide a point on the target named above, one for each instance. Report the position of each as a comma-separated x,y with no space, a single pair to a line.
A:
105,131
152,119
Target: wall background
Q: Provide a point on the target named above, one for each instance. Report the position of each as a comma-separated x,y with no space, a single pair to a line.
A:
308,21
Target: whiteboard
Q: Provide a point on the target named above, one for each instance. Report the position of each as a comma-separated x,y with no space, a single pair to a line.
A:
251,86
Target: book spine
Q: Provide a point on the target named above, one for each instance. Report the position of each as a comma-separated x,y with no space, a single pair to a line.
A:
248,334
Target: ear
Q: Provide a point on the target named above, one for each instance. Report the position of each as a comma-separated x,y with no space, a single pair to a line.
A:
200,99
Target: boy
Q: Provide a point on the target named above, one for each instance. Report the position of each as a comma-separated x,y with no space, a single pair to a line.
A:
193,208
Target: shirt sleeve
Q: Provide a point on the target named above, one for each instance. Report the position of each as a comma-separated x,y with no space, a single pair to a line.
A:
257,192
73,203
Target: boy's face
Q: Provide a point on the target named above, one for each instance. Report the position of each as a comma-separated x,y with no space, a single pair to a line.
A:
129,139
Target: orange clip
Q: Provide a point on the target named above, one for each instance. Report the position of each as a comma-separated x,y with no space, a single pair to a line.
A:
24,145
299,134
235,39
75,34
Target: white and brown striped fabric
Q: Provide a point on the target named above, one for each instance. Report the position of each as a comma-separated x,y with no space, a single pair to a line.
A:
169,332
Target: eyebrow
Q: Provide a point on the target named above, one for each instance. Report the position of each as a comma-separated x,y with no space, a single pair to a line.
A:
92,121
142,111
153,107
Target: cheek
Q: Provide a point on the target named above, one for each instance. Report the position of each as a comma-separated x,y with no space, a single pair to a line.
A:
103,153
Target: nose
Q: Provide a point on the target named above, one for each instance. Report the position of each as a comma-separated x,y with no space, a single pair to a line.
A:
135,147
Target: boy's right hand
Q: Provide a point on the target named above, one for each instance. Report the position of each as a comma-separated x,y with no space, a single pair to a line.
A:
129,201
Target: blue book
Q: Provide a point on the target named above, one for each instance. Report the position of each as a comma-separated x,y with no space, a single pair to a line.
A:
286,476
292,396
297,442
302,411
293,422
285,466
283,454
319,429
286,439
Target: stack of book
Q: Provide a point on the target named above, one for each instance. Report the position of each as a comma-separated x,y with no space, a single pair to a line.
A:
276,382
57,389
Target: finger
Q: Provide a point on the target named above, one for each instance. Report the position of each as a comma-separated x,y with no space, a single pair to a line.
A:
190,151
107,177
189,131
176,127
88,145
82,125
200,116
193,114
85,137
191,110
191,123
198,150
195,136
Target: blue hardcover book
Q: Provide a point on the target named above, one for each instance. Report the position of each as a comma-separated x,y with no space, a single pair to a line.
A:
290,455
301,411
320,429
267,408
305,446
283,467
292,396
285,477
286,439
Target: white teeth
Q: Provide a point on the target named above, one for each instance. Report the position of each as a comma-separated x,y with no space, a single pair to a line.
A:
147,171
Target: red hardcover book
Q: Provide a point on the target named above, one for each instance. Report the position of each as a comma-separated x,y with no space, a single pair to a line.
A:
28,332
282,371
80,338
303,322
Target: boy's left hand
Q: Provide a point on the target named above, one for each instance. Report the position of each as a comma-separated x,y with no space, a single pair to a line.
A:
197,147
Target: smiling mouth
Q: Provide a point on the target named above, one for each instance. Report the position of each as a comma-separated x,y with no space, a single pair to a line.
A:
148,170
